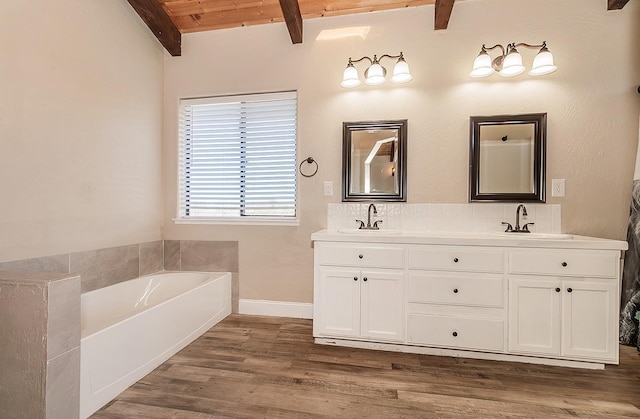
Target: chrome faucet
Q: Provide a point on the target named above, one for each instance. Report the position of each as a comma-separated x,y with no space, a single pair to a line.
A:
517,229
375,225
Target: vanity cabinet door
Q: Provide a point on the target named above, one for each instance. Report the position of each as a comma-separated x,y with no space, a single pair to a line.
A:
534,315
382,305
338,303
589,319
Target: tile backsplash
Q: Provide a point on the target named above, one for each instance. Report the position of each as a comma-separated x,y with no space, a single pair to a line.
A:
459,218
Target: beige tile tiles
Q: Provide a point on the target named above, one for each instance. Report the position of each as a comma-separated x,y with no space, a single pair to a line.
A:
23,310
172,255
63,386
63,321
58,263
151,254
211,256
104,267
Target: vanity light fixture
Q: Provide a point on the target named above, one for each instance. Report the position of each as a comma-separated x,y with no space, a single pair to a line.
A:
509,63
375,74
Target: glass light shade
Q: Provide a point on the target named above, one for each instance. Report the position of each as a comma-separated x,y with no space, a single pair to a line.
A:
401,72
512,65
350,77
482,66
374,75
543,63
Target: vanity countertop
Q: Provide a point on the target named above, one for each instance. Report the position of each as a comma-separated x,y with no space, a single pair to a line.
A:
565,241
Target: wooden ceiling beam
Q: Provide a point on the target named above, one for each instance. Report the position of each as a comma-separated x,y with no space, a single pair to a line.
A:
616,4
443,10
160,24
293,18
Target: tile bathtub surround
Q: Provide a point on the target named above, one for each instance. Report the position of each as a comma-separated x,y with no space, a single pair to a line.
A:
57,263
104,267
207,256
459,218
151,257
40,345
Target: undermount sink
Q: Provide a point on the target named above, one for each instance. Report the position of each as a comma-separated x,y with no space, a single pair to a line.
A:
539,236
368,232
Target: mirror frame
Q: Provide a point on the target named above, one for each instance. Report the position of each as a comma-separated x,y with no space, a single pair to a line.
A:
401,169
539,165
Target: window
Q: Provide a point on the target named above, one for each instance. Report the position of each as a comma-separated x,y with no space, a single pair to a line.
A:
237,158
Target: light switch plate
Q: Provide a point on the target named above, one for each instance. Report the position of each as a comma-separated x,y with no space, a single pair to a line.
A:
328,188
557,187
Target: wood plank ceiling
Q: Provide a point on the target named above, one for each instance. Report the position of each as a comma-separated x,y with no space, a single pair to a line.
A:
168,19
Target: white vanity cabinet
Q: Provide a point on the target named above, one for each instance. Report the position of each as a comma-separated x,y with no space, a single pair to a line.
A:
564,303
492,297
456,297
359,292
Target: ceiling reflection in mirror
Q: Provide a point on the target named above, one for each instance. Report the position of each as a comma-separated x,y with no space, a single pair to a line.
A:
507,158
373,161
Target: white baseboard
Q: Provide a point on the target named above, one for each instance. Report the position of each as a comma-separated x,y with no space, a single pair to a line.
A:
276,308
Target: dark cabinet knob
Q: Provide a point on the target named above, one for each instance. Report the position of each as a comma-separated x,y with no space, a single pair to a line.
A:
455,260
455,290
564,264
361,256
455,334
365,279
569,289
355,278
557,289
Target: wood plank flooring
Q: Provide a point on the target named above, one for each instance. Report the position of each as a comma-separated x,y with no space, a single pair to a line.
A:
267,367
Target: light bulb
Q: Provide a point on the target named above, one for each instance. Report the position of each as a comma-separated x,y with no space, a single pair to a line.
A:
375,74
350,76
401,72
482,65
512,65
543,63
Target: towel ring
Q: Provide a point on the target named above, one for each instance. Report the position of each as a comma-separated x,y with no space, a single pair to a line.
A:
309,160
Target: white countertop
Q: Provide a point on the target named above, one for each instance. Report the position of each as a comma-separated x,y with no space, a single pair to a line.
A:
565,241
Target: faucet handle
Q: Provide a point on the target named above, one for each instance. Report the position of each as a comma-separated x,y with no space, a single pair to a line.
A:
361,224
375,224
509,227
526,227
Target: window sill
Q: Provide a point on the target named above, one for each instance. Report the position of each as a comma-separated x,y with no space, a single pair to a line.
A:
262,221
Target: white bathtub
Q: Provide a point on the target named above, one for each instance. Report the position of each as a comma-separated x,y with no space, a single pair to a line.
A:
129,329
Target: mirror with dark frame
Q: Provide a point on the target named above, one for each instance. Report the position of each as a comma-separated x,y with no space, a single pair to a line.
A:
507,158
374,160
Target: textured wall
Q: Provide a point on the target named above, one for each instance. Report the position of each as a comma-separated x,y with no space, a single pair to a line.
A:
80,127
591,101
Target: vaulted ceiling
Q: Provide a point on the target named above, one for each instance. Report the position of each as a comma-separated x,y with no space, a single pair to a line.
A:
169,19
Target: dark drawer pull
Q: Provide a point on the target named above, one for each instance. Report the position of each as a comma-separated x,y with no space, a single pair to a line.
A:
569,289
455,334
355,278
455,260
361,256
564,264
365,279
455,290
557,289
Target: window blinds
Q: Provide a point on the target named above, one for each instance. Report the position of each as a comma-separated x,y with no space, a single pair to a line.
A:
237,156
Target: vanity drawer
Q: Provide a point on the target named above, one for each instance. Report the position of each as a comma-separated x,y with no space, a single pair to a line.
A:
564,262
456,332
453,258
469,290
360,255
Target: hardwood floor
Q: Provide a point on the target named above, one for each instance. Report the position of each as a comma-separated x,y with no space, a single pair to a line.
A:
267,367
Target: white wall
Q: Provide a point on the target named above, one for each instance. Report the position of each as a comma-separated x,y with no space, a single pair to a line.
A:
591,102
80,127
